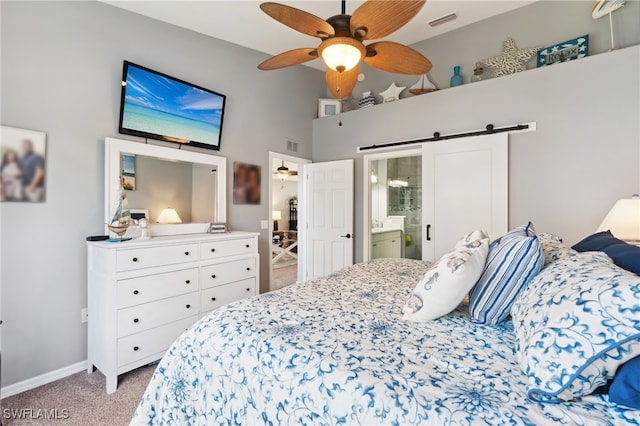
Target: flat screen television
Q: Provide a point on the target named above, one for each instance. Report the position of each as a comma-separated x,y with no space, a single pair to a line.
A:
157,106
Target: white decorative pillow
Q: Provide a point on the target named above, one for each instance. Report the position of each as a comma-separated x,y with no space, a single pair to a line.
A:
447,282
554,249
575,324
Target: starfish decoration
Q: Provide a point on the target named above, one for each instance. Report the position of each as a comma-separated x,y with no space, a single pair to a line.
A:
392,93
512,59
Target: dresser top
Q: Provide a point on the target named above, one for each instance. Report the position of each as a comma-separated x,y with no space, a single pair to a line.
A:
174,239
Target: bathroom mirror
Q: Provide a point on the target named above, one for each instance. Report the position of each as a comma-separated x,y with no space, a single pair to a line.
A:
156,178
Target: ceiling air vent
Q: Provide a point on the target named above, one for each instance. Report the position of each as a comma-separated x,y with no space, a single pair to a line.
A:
443,19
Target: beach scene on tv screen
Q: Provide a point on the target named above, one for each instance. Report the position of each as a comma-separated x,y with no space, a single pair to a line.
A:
162,106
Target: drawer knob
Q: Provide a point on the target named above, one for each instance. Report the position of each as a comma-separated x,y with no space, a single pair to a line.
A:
135,292
213,276
186,253
188,306
136,320
135,348
248,269
213,299
248,289
247,246
213,250
188,281
135,259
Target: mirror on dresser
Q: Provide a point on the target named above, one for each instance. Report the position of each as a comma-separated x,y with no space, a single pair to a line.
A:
191,183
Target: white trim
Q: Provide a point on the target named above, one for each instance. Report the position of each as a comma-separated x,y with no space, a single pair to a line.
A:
43,379
301,231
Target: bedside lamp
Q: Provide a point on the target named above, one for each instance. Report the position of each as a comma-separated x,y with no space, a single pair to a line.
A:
277,215
623,219
169,215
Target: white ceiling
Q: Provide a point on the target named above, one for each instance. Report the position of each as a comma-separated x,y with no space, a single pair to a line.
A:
243,23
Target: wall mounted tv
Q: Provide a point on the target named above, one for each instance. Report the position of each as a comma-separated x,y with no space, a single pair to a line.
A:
157,106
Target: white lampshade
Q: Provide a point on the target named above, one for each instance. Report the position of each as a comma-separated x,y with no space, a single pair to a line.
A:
276,214
623,219
341,53
169,215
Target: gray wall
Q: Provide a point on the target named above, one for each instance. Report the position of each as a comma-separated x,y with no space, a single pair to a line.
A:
61,72
545,23
161,184
564,177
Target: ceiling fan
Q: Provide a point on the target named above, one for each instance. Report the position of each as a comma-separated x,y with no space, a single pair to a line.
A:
342,36
283,172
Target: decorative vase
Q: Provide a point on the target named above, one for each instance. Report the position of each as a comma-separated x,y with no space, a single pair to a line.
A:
367,100
456,78
479,73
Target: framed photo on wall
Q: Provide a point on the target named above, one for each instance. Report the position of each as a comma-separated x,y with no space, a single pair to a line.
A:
246,183
327,107
22,170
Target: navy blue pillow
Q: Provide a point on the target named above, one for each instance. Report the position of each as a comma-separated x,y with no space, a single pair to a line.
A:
597,242
626,256
625,388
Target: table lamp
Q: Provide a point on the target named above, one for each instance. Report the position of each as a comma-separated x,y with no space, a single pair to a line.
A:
623,219
169,215
277,215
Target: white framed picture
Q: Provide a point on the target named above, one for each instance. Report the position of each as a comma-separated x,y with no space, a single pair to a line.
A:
327,107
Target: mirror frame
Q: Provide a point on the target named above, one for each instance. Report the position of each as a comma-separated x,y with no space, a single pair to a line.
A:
113,148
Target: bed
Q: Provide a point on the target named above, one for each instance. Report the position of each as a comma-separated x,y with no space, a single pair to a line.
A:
337,351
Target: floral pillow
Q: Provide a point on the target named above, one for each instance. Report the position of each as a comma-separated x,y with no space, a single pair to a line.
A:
553,248
575,324
447,282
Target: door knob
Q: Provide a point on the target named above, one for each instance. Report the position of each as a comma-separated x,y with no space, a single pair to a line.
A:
346,236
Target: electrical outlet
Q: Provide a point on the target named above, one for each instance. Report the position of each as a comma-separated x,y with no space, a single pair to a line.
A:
84,315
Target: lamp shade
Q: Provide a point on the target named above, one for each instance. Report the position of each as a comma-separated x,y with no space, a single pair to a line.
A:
623,219
341,53
276,214
169,215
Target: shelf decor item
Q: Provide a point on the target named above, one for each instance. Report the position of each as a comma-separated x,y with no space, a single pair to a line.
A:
456,78
479,73
566,51
422,86
392,94
512,59
327,107
602,8
367,100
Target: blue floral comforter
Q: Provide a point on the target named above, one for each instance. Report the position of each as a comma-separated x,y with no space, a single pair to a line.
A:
336,351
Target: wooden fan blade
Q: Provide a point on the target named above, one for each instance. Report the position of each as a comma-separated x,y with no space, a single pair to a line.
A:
397,58
287,59
298,19
378,18
341,84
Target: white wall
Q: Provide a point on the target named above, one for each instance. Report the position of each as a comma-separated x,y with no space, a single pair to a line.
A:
61,72
565,176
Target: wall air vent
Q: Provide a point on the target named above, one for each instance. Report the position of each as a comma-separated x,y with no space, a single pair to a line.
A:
443,19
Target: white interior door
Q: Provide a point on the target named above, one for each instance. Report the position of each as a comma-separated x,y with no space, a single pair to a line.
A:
328,216
465,187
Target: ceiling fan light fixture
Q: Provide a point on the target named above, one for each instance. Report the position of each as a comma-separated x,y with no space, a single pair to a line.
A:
341,53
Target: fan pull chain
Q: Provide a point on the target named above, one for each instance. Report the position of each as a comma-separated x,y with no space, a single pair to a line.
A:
339,91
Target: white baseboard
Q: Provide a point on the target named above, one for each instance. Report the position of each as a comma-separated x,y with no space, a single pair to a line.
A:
43,379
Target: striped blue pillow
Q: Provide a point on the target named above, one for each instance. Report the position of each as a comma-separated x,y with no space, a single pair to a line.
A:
513,261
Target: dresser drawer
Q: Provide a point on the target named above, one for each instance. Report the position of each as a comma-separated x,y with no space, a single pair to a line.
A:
215,297
147,257
141,345
135,291
143,317
224,273
216,249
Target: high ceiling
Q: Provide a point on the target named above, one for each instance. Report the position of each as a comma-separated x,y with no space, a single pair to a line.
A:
243,23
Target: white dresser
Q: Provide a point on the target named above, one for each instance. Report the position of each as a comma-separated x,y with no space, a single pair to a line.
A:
144,294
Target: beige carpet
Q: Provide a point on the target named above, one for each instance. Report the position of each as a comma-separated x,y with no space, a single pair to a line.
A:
283,277
84,398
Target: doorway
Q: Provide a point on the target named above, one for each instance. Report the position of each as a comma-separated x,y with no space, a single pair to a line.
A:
395,205
285,198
